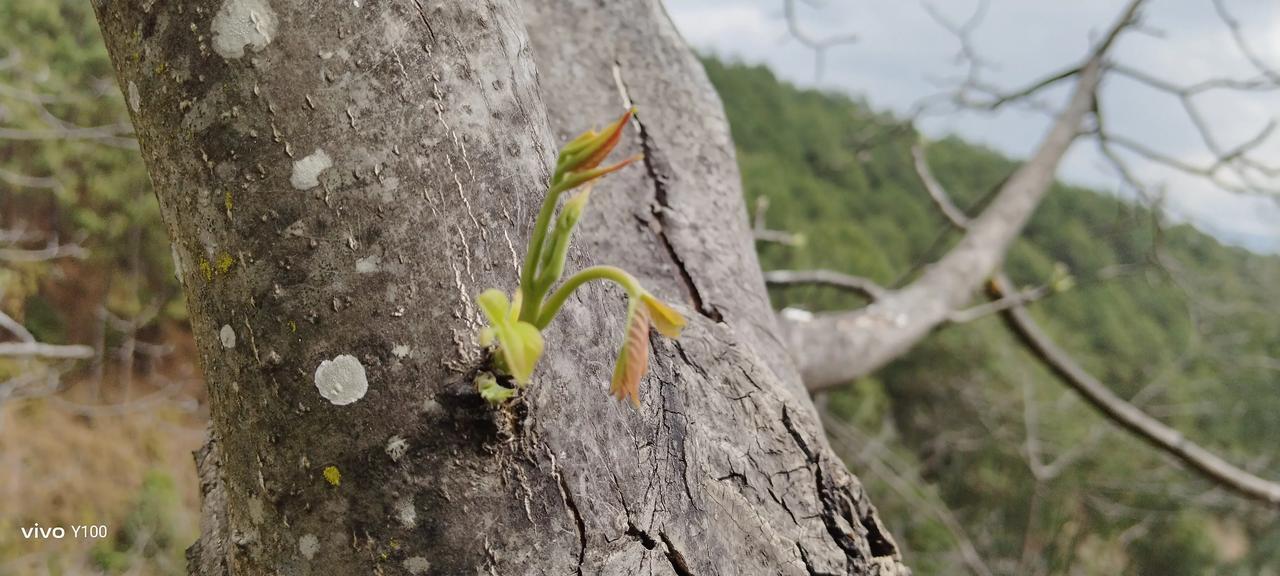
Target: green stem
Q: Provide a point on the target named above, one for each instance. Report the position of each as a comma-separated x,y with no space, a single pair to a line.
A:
611,273
532,302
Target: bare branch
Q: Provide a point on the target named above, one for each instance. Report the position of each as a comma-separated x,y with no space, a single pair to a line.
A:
963,31
50,351
762,233
18,330
1243,44
1126,415
861,286
992,97
52,251
1236,161
25,181
832,349
818,45
29,384
941,199
1021,298
117,135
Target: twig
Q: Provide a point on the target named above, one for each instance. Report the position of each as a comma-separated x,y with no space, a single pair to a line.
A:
939,194
1020,298
762,233
818,45
1126,415
39,350
861,286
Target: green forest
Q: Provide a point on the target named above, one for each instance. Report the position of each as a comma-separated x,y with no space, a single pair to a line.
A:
972,451
1162,313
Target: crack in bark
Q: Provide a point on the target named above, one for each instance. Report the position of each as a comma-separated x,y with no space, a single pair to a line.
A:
661,207
808,564
572,506
835,506
678,563
679,433
423,14
645,539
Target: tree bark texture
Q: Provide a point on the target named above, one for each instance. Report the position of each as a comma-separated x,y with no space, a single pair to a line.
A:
340,181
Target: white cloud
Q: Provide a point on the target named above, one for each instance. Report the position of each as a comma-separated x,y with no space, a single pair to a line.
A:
711,24
903,52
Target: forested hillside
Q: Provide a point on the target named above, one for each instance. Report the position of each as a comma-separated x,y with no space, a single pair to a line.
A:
1165,315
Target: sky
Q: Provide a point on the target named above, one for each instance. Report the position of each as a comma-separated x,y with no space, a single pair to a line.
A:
904,56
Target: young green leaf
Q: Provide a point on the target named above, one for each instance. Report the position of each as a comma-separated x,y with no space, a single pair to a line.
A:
489,388
520,343
633,358
494,304
514,325
666,320
557,249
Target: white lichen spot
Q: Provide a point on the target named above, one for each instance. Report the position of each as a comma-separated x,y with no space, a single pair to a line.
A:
135,99
396,447
308,544
369,264
177,263
241,23
342,380
400,350
417,565
306,172
227,336
256,512
405,512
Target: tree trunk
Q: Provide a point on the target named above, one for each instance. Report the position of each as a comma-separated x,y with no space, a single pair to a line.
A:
340,183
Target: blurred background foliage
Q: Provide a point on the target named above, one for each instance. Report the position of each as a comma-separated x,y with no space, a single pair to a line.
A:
113,446
1161,312
976,456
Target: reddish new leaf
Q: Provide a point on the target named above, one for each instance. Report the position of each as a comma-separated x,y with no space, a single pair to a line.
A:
633,359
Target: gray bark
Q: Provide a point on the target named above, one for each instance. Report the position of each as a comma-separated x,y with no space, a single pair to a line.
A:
343,182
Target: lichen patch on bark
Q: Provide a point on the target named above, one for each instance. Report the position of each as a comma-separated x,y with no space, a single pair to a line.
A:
306,172
342,380
308,545
241,23
227,336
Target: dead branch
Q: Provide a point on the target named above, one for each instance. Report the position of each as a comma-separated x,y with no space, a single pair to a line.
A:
1126,415
51,251
14,327
1019,298
937,193
863,287
763,233
819,45
48,351
25,181
832,349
